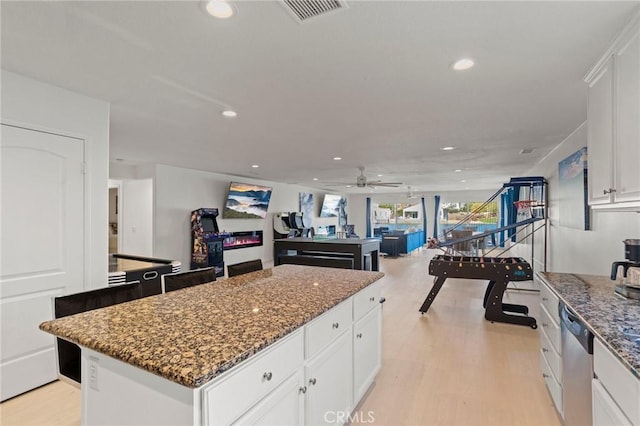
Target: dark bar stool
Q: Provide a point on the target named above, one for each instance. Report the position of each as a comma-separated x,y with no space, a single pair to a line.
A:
172,282
244,267
69,353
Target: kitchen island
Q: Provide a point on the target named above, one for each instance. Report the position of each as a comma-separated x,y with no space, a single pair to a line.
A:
282,346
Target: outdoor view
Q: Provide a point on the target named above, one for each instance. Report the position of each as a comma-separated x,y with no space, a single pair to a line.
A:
483,220
398,217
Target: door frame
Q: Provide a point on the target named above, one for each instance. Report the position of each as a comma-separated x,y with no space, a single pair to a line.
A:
118,185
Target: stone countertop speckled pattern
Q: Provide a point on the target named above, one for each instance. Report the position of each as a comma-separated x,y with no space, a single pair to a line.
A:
192,335
606,313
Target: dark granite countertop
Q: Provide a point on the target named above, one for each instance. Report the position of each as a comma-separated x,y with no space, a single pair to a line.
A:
606,313
192,335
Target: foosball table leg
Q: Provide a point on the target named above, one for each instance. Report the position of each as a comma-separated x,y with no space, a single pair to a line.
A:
495,310
437,285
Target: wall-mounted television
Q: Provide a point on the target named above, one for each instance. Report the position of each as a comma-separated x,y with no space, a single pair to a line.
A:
331,205
246,201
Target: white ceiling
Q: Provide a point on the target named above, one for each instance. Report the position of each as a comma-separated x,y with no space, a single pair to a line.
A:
370,83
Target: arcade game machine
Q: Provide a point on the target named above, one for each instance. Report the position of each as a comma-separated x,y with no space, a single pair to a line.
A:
206,241
288,225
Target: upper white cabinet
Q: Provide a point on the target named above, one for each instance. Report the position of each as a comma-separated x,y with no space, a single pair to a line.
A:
613,125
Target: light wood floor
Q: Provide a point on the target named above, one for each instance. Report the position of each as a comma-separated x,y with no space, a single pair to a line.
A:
448,367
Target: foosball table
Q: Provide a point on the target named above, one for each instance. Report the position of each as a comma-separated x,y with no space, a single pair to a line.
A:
498,270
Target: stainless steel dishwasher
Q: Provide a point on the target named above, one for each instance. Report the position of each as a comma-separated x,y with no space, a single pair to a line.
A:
577,368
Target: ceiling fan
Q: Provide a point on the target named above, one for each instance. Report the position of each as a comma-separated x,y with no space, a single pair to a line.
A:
361,182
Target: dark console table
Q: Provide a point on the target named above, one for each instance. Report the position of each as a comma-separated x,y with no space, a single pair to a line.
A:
315,252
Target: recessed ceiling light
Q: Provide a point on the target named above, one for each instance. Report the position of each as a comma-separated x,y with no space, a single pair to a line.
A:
337,158
255,166
457,170
463,180
463,64
379,175
348,186
448,148
219,9
229,113
315,178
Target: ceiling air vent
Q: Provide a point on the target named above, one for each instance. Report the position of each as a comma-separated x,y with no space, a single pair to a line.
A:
306,9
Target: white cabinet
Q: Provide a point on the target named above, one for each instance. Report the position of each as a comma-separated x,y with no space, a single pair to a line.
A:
615,387
283,406
600,135
550,345
605,410
613,126
367,351
253,380
328,378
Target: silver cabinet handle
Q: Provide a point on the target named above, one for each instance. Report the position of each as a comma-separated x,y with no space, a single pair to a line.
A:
544,299
303,389
372,299
608,191
336,324
267,376
544,324
359,335
312,381
545,350
546,376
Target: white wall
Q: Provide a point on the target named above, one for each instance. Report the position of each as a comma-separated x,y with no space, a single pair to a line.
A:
137,217
178,191
573,250
41,106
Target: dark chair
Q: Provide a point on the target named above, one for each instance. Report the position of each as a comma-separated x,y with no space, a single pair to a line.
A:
171,282
244,267
69,353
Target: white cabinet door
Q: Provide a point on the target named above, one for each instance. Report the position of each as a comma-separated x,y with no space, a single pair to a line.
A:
627,147
600,135
328,380
605,410
283,407
367,356
42,248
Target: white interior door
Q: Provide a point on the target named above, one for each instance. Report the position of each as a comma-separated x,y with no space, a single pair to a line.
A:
42,253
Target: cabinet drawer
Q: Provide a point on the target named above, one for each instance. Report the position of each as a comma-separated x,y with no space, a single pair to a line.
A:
324,329
555,388
366,299
618,381
550,301
551,327
549,352
241,387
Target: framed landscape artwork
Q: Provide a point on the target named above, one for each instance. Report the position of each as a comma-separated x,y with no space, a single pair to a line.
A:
573,202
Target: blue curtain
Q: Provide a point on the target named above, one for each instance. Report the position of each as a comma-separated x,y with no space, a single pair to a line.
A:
368,221
424,221
435,219
504,216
